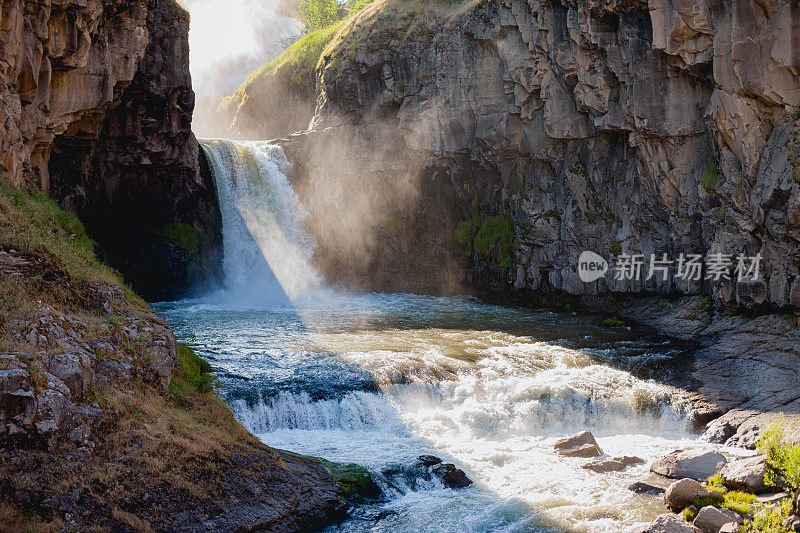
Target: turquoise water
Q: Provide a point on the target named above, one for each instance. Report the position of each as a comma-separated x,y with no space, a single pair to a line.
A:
380,379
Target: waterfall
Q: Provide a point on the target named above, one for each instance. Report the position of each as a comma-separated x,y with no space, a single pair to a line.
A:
267,253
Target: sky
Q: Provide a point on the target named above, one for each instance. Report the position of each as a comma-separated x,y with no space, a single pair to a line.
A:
228,39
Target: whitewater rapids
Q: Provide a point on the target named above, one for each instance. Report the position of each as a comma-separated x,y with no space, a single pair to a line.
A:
381,379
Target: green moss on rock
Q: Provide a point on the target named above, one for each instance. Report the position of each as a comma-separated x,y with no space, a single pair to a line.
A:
183,236
355,481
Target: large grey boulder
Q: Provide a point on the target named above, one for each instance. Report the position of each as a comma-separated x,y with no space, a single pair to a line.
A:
581,444
695,464
710,519
670,523
682,492
74,369
746,474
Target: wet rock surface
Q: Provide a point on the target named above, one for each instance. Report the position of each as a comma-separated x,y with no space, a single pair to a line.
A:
640,487
426,469
743,371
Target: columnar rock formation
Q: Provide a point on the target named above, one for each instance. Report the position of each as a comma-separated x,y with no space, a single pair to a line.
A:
617,126
97,104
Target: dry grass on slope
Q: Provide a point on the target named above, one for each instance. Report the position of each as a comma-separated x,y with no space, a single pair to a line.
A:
154,459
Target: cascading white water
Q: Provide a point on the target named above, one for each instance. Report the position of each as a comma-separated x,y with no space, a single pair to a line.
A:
380,379
266,251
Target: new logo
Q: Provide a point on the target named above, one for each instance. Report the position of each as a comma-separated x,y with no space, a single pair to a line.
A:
591,267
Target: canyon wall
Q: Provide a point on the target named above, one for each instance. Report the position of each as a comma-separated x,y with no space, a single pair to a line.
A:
519,133
97,104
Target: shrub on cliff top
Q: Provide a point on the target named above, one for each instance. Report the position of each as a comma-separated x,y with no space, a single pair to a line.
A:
298,62
318,14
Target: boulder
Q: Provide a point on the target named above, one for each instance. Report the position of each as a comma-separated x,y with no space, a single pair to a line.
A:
746,474
581,444
584,450
710,519
695,464
574,441
604,466
670,523
429,460
451,477
682,492
731,527
628,460
640,487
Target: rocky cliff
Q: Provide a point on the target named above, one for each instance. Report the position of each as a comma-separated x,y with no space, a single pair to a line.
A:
534,130
97,104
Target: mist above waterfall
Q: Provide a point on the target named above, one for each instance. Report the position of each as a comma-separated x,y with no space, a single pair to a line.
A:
229,39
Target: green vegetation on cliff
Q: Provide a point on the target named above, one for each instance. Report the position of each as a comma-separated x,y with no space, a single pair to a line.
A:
33,225
486,234
183,236
192,374
355,481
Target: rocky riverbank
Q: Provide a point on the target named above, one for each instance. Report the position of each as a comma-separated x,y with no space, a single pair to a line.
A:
706,491
744,370
105,421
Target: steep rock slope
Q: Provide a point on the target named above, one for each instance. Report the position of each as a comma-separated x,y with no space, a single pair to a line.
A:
563,126
97,105
106,422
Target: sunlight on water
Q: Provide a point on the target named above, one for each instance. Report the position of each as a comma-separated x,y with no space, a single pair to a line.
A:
261,213
380,379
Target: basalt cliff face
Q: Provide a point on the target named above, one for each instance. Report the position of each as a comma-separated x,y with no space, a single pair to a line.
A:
96,111
522,132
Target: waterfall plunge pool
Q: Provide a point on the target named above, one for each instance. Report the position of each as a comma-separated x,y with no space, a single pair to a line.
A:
379,379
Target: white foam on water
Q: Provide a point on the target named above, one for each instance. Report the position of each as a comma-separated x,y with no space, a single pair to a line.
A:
468,391
494,403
